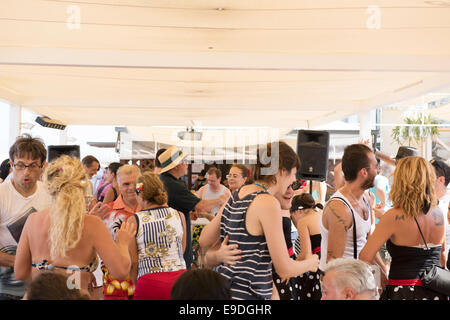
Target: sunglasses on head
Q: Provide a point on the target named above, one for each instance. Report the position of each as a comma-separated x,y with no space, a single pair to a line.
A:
298,184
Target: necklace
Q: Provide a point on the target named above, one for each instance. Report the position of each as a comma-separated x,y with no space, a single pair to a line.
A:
361,207
260,185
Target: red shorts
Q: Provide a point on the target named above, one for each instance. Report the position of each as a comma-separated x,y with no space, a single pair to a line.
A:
156,286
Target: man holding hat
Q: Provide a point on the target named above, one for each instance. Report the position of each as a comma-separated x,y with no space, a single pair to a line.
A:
402,152
173,167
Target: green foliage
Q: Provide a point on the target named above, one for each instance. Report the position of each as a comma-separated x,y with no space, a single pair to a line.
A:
417,132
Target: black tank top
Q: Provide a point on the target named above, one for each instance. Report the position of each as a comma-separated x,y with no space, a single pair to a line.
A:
410,262
287,232
315,243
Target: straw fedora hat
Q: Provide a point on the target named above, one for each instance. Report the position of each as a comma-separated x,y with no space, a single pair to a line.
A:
170,158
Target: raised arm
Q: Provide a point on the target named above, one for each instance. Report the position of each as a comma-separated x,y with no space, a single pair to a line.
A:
209,205
385,157
269,215
211,232
133,249
338,176
116,256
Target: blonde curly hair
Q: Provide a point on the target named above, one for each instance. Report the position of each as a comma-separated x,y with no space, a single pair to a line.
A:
67,183
414,180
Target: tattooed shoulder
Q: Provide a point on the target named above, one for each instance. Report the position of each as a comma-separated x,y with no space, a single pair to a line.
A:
335,212
437,217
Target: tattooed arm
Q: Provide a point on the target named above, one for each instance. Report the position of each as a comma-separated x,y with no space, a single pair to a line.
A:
338,220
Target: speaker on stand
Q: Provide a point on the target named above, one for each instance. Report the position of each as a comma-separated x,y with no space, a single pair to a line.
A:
56,151
312,149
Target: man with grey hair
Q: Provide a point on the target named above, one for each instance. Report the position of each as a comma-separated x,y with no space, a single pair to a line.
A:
348,279
125,206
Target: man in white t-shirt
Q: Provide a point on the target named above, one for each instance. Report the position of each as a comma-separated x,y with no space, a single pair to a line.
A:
212,190
91,166
19,197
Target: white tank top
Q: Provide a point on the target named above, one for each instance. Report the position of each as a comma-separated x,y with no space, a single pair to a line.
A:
362,230
209,195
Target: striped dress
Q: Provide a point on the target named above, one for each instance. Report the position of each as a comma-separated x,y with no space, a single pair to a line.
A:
159,241
251,277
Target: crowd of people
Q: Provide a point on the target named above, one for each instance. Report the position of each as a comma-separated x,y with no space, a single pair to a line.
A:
144,235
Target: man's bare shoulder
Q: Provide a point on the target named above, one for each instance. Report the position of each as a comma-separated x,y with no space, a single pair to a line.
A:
338,211
337,206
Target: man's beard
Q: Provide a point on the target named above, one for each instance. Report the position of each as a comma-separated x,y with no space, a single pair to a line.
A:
369,183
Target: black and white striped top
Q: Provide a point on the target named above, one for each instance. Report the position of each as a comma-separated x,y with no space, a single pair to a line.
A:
159,241
251,276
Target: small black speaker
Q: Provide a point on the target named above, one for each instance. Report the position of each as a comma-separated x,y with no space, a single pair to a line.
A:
56,151
312,149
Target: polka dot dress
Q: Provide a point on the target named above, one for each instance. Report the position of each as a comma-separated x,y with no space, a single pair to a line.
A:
286,291
309,286
309,283
410,293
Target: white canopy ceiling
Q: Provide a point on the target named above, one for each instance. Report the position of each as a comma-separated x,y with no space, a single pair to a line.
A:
279,64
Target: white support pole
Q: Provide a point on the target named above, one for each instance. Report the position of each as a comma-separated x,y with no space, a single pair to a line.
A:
365,125
15,118
63,137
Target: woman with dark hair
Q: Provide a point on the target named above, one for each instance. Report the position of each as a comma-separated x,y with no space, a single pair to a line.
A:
113,192
5,169
251,220
413,230
237,176
201,284
306,215
53,286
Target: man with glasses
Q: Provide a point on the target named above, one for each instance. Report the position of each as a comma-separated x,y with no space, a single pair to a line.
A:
19,197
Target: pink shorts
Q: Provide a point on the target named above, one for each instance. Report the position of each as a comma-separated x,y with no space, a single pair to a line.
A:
156,286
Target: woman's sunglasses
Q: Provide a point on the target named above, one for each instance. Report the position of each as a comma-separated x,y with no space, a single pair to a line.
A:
298,184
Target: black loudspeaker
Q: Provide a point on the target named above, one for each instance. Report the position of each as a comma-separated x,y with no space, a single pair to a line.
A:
312,149
55,151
